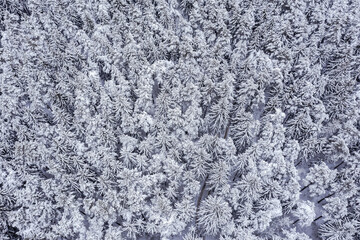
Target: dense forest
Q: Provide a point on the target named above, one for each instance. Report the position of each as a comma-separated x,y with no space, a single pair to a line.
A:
180,119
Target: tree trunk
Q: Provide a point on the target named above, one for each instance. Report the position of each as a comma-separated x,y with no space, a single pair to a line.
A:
227,130
296,221
199,198
306,187
338,165
325,197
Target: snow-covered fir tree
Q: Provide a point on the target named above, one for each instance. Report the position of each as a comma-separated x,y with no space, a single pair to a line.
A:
180,119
